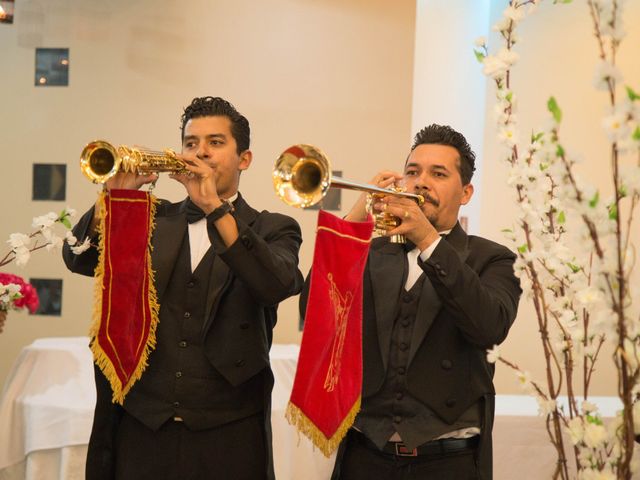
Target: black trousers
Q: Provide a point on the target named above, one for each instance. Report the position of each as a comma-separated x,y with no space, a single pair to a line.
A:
358,461
235,451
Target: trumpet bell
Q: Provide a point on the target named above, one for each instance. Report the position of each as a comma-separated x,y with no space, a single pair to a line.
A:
99,161
301,176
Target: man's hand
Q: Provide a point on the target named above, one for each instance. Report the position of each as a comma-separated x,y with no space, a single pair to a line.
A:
415,226
200,183
384,179
129,181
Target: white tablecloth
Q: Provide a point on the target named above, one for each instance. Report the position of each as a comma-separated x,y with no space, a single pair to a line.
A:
46,411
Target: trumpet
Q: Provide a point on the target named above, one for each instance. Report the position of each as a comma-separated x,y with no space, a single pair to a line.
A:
99,161
302,176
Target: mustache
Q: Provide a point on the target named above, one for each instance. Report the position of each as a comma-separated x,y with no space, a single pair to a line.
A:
427,197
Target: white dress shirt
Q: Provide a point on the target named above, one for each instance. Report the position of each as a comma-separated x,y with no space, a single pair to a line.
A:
199,241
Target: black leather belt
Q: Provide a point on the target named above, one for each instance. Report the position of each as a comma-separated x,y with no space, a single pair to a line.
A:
435,447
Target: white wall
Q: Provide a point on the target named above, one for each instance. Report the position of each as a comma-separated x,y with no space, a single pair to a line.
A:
448,86
335,73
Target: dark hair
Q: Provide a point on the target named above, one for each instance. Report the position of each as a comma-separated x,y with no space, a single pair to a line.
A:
445,135
219,107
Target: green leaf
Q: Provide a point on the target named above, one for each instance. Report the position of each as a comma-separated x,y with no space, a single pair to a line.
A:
507,230
509,96
574,268
559,151
633,96
636,134
561,218
536,137
553,107
622,191
594,201
65,221
523,248
594,420
613,212
555,2
480,56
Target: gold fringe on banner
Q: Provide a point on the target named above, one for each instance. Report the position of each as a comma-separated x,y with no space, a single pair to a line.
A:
101,359
305,425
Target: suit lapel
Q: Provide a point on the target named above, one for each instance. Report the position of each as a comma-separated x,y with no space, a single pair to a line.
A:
168,235
430,304
387,266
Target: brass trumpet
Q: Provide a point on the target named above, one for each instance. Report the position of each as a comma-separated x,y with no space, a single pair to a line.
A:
99,161
302,176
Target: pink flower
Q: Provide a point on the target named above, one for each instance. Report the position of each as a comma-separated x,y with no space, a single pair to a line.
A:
28,295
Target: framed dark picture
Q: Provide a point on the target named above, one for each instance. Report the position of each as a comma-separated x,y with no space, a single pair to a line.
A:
6,11
49,181
332,200
52,67
50,295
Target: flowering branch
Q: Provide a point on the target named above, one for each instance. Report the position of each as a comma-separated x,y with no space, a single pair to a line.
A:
575,256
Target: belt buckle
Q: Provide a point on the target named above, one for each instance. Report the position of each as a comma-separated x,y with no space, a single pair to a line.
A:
403,451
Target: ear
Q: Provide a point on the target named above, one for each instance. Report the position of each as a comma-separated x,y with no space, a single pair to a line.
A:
467,193
245,160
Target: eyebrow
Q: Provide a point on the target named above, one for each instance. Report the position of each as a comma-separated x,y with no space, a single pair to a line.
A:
432,167
210,136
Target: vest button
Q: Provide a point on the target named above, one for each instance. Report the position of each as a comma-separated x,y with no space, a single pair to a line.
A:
246,241
399,396
176,404
178,374
244,325
240,363
190,284
397,419
450,402
401,371
406,323
446,364
404,347
406,298
187,315
182,344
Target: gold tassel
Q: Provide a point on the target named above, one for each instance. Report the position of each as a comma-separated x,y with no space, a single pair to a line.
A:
305,425
100,357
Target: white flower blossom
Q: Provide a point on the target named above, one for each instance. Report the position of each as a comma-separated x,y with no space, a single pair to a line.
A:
546,407
55,242
588,407
576,430
594,435
19,240
493,354
480,41
70,211
606,71
22,255
69,238
78,249
616,127
45,221
514,14
508,56
494,67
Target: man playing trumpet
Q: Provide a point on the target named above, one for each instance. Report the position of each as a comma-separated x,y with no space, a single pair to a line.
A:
431,308
202,407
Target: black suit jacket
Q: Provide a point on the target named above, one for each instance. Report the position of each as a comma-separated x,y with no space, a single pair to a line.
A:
468,302
248,280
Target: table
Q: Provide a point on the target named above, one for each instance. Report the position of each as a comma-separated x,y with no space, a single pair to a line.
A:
46,411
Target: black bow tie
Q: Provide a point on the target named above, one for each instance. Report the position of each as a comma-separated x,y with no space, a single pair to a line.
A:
194,212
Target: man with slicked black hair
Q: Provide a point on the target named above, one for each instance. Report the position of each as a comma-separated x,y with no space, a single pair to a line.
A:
202,407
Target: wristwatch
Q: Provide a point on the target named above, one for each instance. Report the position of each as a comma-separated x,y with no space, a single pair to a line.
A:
221,211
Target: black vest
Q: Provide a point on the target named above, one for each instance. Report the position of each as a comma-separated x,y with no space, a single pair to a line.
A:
393,409
179,380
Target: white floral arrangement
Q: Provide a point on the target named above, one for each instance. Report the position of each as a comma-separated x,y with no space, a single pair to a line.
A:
575,253
15,293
